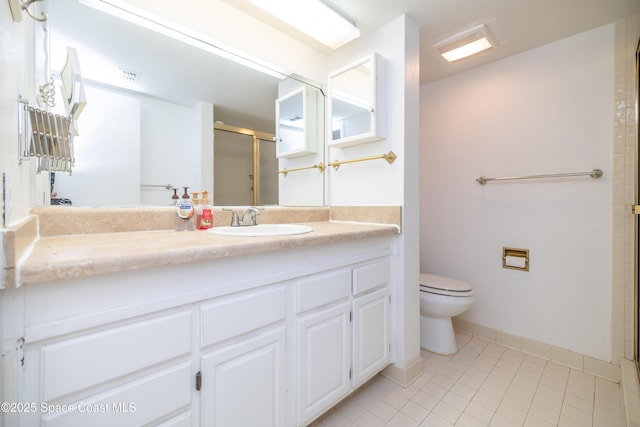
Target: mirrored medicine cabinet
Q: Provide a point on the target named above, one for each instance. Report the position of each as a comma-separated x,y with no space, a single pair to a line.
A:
297,123
357,102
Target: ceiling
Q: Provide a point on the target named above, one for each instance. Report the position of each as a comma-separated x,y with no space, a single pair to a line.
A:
518,25
170,70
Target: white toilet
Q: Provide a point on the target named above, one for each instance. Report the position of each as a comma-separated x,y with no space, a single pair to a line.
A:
441,298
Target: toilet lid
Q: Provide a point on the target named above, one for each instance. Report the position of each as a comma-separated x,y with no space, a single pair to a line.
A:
444,285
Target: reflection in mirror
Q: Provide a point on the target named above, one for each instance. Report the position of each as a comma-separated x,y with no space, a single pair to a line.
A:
355,93
152,100
296,114
239,154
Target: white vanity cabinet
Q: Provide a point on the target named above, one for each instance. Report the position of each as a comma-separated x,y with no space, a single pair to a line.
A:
371,328
243,376
323,342
209,343
131,374
343,334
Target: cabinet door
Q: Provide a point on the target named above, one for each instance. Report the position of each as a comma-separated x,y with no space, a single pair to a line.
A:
323,356
244,384
371,351
297,123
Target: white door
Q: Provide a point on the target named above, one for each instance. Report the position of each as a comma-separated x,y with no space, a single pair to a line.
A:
324,353
370,335
244,384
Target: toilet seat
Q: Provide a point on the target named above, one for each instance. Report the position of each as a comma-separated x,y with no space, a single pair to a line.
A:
440,285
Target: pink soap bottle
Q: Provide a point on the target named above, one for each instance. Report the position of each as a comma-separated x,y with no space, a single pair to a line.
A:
205,218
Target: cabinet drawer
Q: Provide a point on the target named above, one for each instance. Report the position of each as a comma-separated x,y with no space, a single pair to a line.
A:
371,276
86,361
140,402
323,288
240,313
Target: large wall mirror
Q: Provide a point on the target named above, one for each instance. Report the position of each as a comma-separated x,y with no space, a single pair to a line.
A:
158,102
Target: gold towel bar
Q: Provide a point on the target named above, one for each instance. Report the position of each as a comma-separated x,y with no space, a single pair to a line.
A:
320,167
390,157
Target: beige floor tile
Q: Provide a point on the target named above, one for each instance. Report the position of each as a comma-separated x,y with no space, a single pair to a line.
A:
484,384
369,420
479,412
434,420
415,411
447,412
515,415
383,410
425,400
402,420
487,400
533,421
435,390
568,411
467,420
463,390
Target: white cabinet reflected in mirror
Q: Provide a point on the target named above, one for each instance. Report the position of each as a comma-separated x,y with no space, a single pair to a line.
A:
357,101
297,121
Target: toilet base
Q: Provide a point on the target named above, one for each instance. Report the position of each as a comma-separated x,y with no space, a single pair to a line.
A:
437,335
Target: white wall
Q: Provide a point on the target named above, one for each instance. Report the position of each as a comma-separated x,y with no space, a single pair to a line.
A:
171,149
378,183
16,45
107,153
547,110
374,182
127,141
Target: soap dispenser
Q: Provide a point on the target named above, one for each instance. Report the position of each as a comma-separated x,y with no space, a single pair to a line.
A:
204,219
185,212
175,199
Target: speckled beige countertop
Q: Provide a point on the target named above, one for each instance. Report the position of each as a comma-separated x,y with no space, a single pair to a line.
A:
85,250
82,255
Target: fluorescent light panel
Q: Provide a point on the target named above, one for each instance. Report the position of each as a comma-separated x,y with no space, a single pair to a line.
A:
466,43
124,10
314,18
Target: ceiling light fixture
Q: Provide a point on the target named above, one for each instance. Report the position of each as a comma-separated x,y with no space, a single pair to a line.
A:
124,10
314,18
466,43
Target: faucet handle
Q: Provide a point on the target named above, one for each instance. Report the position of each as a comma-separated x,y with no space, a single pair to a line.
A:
235,221
253,211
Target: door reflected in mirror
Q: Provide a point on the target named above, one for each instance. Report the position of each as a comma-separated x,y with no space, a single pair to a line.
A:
357,103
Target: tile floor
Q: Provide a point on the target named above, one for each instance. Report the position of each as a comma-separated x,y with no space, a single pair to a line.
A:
484,384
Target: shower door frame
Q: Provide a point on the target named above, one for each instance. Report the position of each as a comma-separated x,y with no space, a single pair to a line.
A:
637,217
257,137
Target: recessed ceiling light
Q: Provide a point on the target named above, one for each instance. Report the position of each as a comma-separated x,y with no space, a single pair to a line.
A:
466,43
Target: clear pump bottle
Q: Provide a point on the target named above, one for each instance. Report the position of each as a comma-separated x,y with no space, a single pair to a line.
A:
185,212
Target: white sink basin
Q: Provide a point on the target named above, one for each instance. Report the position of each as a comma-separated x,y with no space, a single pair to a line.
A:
261,230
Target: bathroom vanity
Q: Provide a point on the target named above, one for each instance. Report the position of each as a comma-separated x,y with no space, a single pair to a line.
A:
197,329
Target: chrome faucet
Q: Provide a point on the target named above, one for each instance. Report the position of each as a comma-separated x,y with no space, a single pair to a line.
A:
239,220
253,213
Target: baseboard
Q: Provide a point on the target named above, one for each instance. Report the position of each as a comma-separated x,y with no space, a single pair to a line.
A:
404,376
559,355
630,392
